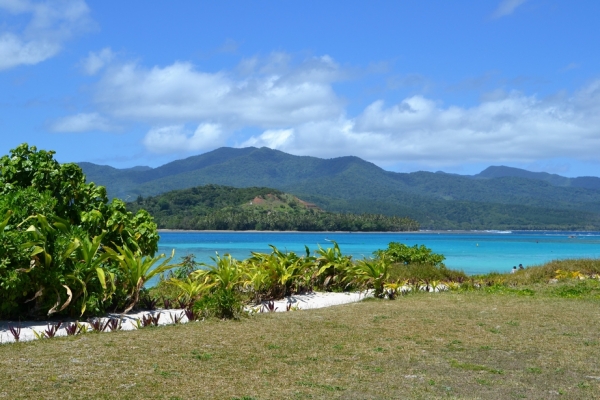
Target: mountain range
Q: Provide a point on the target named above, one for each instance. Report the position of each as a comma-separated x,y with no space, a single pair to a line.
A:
497,198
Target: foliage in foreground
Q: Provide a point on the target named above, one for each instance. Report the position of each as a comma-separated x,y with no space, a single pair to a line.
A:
222,288
61,240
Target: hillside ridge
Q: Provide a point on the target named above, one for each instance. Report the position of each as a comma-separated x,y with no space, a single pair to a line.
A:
214,207
497,198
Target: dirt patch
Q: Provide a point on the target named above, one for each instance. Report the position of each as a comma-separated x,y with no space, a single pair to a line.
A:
257,200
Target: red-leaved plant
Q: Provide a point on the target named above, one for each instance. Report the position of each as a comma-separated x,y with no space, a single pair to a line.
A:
15,332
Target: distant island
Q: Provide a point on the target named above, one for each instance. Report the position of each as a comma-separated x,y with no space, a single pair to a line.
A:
499,197
214,207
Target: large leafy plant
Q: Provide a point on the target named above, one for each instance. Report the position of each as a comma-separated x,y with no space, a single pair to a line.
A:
333,266
223,282
369,274
55,232
137,269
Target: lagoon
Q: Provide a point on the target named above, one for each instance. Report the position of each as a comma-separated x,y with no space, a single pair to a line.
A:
472,252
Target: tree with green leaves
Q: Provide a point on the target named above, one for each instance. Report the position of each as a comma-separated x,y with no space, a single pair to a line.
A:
55,230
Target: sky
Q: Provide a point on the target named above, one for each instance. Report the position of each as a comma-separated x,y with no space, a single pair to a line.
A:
429,85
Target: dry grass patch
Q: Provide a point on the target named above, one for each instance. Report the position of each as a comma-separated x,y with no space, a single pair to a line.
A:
457,345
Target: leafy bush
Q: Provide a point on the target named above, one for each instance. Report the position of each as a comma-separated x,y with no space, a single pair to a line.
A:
417,265
425,272
403,254
221,289
187,265
223,283
333,267
55,231
220,303
371,274
278,274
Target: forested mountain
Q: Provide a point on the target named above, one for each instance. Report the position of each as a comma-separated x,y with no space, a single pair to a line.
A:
590,182
497,198
214,207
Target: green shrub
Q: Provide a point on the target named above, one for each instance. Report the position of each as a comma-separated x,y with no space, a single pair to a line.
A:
49,218
222,303
371,274
403,254
425,272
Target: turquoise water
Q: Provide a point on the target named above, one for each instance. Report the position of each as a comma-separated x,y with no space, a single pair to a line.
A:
472,252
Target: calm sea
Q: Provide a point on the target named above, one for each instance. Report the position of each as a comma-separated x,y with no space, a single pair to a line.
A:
472,252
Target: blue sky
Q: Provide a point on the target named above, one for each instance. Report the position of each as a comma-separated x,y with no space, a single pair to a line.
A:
422,85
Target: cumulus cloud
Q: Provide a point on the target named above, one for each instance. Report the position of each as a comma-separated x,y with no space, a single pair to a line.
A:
273,138
82,122
507,7
95,61
515,127
49,26
179,93
295,108
177,139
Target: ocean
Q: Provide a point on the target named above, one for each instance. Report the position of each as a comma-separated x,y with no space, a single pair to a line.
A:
472,252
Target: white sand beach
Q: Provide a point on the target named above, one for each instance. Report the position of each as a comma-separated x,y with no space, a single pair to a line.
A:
129,321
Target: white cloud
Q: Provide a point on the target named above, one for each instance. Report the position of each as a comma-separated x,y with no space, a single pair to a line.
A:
275,94
297,110
94,62
273,138
507,7
50,25
176,139
515,128
83,122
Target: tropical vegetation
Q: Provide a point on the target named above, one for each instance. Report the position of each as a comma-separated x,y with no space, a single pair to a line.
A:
214,207
64,248
223,288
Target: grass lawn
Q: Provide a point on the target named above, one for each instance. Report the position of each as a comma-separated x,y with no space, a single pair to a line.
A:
456,345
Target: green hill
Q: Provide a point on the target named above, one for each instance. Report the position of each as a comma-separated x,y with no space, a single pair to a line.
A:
589,182
498,198
214,207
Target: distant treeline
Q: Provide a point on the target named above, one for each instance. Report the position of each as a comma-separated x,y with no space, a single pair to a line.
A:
313,221
214,207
